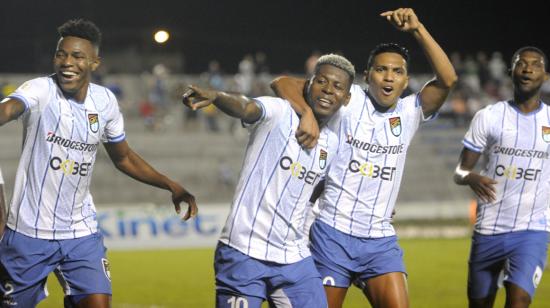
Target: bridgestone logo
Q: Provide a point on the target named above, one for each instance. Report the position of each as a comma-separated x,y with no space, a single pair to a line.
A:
70,144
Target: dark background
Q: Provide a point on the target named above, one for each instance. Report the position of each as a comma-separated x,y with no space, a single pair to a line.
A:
287,31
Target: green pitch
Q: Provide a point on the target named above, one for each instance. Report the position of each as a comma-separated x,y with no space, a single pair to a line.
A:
184,278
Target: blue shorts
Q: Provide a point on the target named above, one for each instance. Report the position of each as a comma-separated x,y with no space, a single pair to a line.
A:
242,281
342,258
516,257
25,262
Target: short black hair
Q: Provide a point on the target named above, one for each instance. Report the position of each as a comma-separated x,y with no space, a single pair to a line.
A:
388,47
81,28
533,49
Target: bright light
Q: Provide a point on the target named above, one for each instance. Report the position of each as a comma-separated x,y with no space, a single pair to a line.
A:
161,36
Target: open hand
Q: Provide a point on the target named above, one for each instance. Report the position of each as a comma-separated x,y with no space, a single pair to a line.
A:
483,186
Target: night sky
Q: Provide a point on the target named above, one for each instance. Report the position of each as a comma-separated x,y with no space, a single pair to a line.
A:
287,31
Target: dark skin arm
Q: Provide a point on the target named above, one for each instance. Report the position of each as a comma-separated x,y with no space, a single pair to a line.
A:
235,105
131,164
292,89
10,110
435,91
482,186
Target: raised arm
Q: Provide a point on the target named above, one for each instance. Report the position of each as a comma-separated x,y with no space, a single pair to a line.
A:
10,109
435,91
131,164
292,89
235,105
482,186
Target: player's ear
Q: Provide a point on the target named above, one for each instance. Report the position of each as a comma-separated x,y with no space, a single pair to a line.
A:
95,63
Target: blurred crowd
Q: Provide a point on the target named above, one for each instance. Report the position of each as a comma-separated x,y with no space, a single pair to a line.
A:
154,96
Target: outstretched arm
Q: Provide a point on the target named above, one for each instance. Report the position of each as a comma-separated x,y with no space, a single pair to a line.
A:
292,89
238,106
435,91
131,164
482,186
10,109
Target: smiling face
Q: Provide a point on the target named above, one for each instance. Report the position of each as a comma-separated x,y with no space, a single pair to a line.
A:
387,78
528,73
328,90
74,61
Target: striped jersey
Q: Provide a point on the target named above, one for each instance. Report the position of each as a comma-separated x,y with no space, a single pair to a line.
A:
515,147
276,181
364,179
51,198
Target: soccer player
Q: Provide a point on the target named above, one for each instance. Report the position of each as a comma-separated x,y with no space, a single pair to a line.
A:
52,222
262,252
2,205
353,239
510,239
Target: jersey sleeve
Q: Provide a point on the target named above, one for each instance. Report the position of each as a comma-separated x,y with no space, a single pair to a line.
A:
476,136
412,109
32,92
272,108
114,126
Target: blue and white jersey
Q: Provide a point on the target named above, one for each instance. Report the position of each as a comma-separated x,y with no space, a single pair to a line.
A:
515,147
51,199
276,181
364,179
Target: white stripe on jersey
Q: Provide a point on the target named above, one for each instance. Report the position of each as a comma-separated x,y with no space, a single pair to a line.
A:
516,147
51,198
276,181
363,181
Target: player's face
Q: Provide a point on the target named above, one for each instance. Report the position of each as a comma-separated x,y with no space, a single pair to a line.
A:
328,91
528,73
74,61
387,78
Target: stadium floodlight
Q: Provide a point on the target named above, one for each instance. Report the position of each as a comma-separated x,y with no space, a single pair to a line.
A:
161,36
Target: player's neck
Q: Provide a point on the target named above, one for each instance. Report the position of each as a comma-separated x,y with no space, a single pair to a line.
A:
378,107
527,102
321,121
79,96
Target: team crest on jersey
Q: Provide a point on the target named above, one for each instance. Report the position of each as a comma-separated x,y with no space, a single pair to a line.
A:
395,125
93,119
546,133
106,268
323,159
